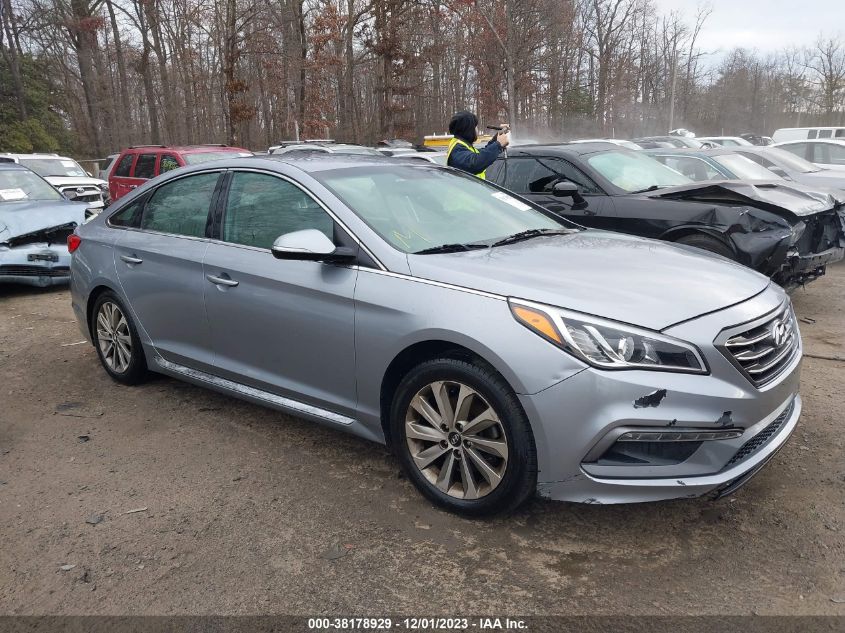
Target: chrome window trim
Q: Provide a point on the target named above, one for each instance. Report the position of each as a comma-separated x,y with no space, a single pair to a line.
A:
316,199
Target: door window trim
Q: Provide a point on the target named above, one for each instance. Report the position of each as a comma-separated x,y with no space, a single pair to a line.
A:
219,209
149,194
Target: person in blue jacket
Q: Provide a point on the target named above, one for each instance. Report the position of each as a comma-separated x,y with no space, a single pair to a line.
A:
463,155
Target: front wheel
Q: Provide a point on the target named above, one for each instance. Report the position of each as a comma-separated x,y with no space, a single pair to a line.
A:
707,243
463,439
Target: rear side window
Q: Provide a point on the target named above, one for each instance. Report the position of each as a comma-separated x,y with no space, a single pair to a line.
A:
124,165
812,134
129,216
168,163
145,166
840,133
181,207
260,208
825,133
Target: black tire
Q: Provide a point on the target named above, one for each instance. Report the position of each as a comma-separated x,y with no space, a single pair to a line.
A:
707,243
519,478
135,371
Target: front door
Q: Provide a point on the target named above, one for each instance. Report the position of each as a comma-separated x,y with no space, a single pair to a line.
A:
160,268
279,325
534,178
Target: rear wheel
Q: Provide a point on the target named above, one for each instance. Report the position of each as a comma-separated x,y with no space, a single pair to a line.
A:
707,243
116,341
463,439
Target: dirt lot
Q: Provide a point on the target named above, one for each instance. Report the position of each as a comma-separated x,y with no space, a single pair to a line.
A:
250,511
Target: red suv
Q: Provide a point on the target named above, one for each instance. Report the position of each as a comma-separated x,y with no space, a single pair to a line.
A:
137,164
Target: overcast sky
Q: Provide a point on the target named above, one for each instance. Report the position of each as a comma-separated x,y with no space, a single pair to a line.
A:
767,25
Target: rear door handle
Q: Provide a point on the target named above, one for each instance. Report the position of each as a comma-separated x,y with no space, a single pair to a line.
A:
131,260
133,186
221,281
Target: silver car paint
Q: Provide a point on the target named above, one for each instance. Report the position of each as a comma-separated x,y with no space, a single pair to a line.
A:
459,300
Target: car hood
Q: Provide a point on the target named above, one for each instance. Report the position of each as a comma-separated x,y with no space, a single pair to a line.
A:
79,181
826,178
634,280
21,218
783,199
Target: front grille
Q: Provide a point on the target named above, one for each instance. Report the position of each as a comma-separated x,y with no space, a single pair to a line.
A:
756,442
765,350
87,193
33,271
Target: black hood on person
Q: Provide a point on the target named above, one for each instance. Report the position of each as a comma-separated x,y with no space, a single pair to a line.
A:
463,126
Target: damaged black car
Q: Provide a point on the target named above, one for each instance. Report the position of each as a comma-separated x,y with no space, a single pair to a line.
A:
786,232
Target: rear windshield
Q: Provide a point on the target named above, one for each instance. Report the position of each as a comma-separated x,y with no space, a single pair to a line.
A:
17,185
204,157
47,167
790,160
745,168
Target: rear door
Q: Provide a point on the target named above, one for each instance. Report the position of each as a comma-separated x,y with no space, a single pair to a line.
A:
279,325
120,177
159,265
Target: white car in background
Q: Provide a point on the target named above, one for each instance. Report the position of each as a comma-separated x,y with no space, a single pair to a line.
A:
807,133
726,141
66,175
827,153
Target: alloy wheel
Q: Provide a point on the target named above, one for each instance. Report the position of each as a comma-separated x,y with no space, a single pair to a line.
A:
114,338
456,439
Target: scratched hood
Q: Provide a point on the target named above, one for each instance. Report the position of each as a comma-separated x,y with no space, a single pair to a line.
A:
21,218
783,199
638,281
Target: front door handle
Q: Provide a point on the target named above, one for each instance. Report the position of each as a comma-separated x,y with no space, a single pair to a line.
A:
221,281
131,260
133,186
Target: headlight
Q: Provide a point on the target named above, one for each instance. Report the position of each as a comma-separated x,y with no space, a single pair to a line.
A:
797,232
607,344
104,187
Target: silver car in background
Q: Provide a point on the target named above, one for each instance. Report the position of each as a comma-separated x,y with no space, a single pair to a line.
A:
496,348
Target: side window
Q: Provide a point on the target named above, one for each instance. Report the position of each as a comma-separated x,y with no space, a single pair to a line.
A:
124,165
840,133
129,216
494,171
181,206
825,133
144,166
819,153
515,173
550,170
168,163
693,168
836,154
261,207
799,149
813,134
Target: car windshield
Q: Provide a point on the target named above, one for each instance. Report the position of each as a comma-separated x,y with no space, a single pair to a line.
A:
47,167
203,157
788,160
18,185
416,208
635,172
745,168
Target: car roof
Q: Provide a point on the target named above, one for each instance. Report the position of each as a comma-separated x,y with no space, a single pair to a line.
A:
186,149
694,151
36,155
321,161
578,149
13,166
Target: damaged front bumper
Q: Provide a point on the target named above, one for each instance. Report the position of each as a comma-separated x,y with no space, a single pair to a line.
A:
647,436
39,264
821,242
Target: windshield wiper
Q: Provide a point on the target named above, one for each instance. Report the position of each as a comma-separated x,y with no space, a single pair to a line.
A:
449,248
529,234
647,189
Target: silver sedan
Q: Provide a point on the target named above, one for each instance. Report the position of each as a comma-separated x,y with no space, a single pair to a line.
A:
498,349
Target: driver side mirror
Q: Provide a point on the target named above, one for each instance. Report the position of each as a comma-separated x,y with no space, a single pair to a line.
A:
310,245
566,189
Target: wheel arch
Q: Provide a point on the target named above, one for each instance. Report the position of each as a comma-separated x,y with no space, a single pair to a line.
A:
95,294
415,354
676,233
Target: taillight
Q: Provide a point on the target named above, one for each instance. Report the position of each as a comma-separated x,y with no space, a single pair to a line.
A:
73,242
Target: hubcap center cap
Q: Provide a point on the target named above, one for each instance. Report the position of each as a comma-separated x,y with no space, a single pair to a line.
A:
455,439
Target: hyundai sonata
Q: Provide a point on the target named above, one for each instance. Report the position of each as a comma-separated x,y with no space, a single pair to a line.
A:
496,348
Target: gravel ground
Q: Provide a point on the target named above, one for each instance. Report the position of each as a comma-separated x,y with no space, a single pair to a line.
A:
168,499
